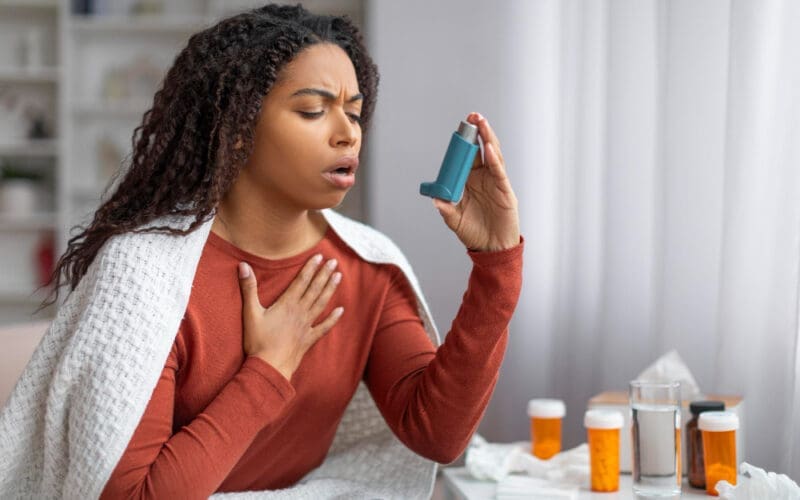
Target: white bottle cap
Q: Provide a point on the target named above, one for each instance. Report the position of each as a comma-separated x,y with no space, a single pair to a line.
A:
603,419
718,421
546,408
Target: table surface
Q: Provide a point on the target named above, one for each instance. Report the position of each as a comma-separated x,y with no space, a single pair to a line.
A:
459,485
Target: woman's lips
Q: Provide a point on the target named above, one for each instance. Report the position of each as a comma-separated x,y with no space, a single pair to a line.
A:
342,180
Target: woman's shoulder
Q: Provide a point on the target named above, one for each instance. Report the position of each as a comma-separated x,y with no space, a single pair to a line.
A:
149,256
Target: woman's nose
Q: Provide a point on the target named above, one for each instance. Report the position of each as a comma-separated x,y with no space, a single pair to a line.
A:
346,132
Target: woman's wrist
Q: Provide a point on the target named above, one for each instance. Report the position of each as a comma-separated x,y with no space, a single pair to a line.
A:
483,258
287,372
498,246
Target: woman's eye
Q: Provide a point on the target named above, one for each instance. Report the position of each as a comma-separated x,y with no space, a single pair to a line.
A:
316,114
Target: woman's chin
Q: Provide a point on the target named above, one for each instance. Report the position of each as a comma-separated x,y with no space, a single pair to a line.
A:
331,200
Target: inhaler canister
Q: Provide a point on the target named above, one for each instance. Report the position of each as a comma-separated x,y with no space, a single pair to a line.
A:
456,165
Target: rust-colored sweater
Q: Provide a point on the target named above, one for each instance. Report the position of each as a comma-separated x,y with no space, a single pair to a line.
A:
222,421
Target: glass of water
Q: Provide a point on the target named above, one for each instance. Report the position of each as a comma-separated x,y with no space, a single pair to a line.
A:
656,437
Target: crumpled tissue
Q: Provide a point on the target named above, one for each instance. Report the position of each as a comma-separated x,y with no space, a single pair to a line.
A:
671,368
559,477
758,484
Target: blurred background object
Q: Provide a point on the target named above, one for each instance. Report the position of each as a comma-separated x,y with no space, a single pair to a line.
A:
76,76
30,166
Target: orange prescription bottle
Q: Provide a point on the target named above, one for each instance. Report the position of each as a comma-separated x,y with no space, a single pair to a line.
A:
719,447
546,416
602,428
694,441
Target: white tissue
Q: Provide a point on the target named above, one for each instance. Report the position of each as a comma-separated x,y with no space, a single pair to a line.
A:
568,467
757,484
492,461
558,477
671,368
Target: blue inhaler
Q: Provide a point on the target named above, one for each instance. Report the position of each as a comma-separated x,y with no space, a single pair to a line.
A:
456,165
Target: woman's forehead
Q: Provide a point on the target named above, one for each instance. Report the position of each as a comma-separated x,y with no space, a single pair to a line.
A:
324,66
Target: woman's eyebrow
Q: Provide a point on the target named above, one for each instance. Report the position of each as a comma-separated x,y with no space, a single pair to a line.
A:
325,94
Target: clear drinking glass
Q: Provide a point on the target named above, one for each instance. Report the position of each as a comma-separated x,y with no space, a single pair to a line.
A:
656,438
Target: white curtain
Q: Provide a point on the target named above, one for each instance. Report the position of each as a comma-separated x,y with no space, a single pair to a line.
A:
655,149
662,207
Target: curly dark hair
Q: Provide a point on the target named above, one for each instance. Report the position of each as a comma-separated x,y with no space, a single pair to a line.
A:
193,141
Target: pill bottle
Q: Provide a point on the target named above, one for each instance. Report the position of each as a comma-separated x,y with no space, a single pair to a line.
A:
546,416
719,447
694,441
602,431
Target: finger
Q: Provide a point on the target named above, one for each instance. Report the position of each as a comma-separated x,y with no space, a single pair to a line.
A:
493,161
318,283
248,287
498,171
298,287
486,132
323,328
450,212
324,297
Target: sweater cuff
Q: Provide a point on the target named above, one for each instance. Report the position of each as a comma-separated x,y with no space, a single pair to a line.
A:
488,258
270,375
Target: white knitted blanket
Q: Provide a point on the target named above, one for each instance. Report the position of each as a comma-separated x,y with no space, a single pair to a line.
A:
81,396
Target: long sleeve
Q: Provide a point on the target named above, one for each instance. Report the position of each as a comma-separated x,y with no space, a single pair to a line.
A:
194,461
433,400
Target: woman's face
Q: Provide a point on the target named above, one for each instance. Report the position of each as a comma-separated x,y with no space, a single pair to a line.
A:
308,128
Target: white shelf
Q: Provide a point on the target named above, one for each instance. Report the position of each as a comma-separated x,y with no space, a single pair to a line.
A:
29,5
128,108
40,148
46,74
27,223
146,24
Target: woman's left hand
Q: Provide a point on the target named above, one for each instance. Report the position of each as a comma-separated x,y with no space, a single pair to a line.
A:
486,218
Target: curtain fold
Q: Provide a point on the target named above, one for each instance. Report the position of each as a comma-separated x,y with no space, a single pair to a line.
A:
677,209
758,288
655,150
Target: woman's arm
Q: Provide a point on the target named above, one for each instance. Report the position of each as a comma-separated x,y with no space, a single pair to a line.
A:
434,400
194,461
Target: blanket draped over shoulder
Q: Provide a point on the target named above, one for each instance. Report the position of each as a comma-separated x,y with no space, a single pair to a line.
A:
81,396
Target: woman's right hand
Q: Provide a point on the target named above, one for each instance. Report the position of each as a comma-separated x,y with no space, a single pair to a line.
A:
282,333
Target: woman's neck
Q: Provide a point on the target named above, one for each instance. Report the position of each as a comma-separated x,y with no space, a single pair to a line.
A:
267,232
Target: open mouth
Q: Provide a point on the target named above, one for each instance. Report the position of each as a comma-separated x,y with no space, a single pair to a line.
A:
342,177
343,171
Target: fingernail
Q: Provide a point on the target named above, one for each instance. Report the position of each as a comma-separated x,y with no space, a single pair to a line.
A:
480,117
338,311
317,258
244,270
331,264
337,277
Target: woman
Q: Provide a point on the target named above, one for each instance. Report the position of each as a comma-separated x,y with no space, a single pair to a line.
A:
220,230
